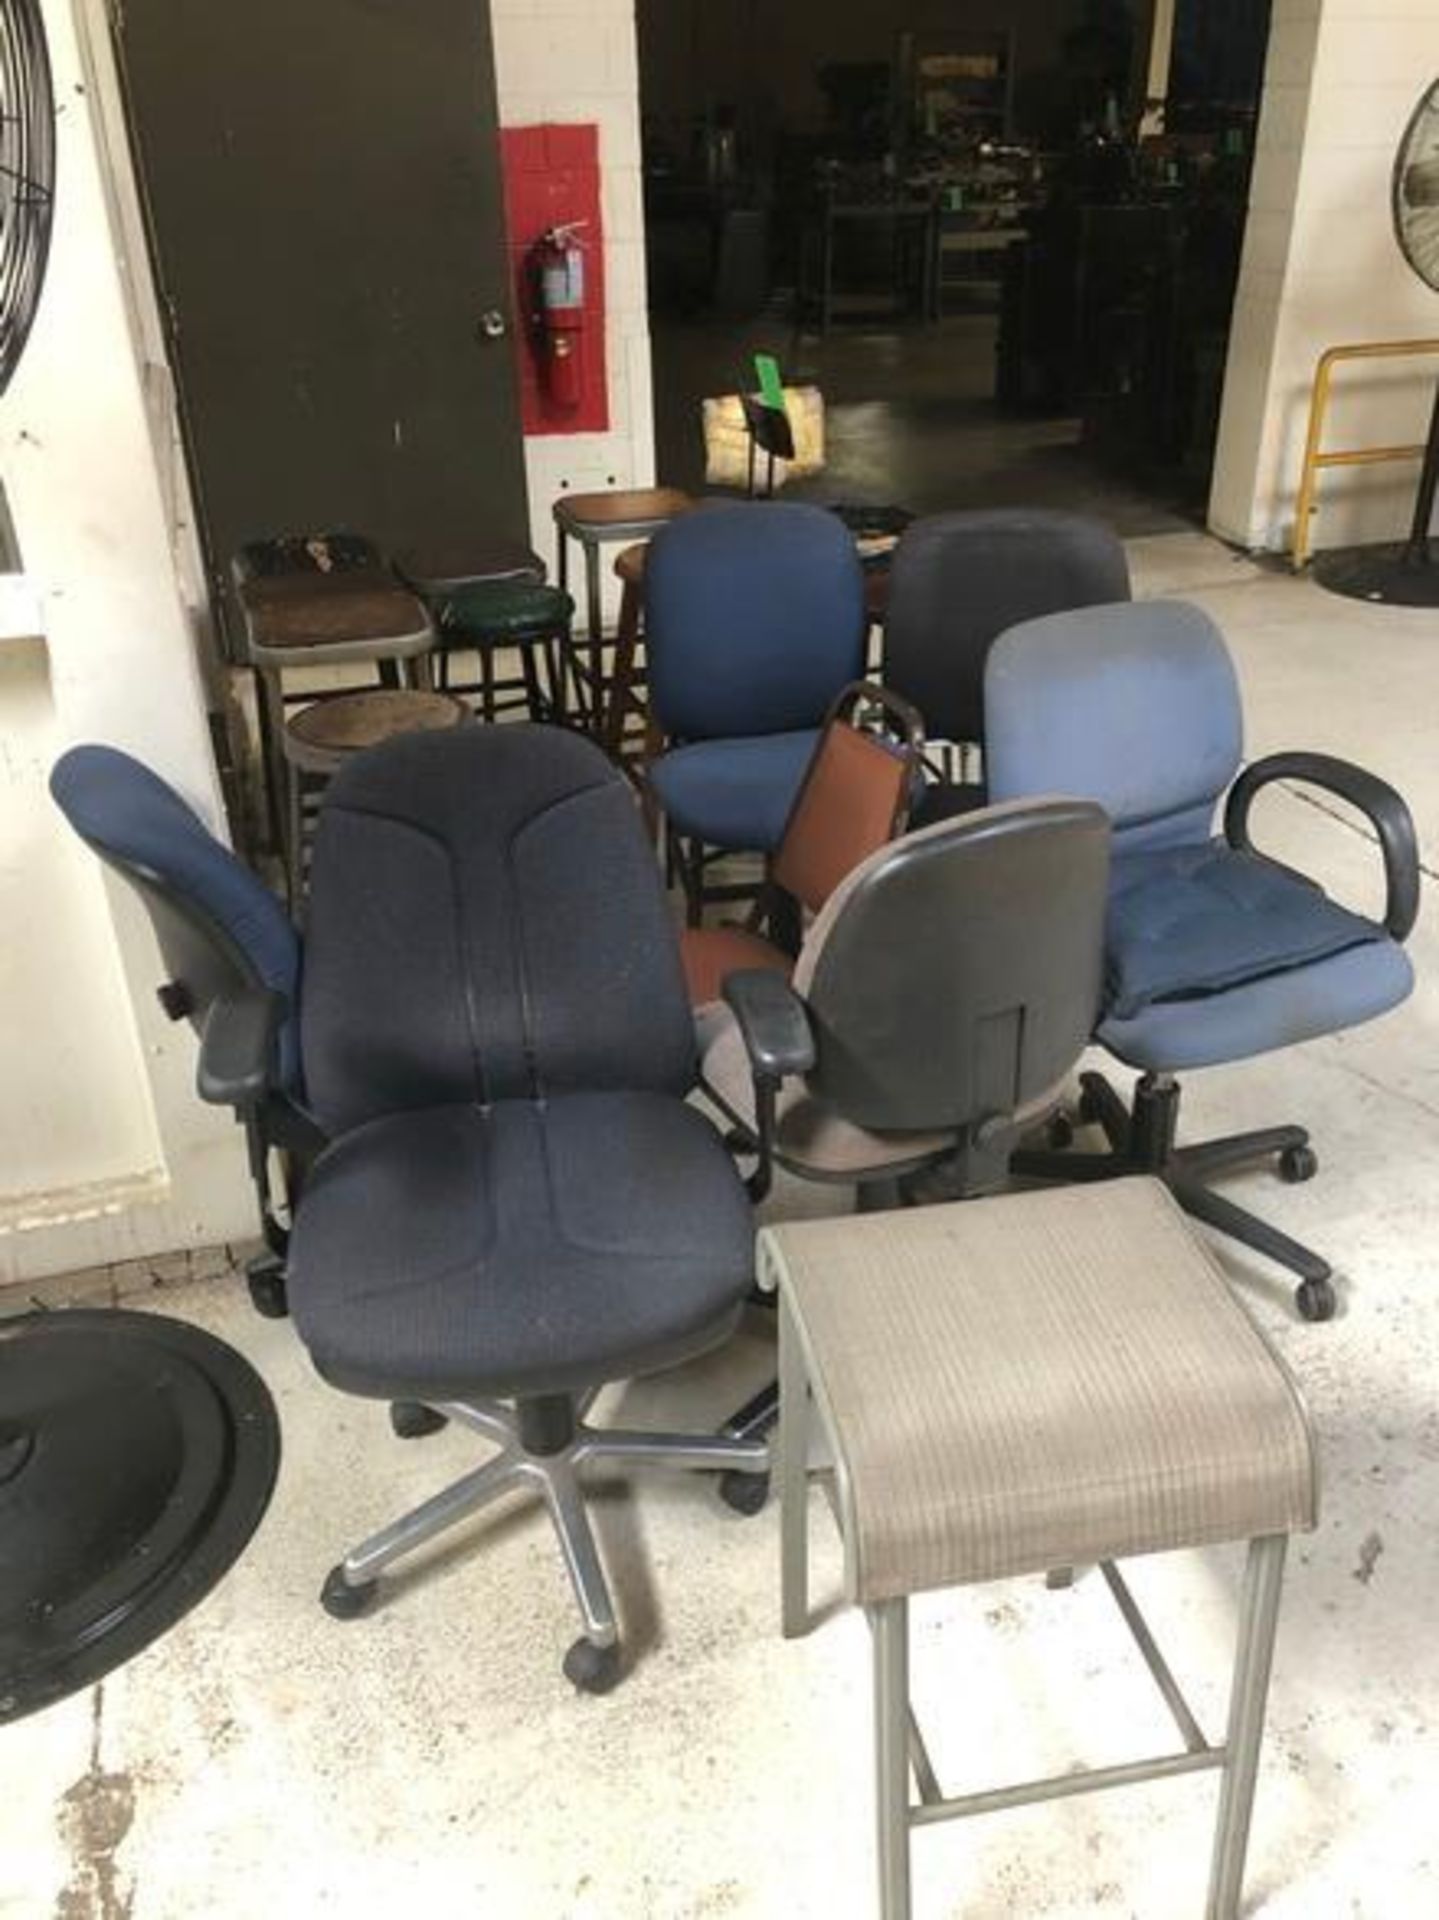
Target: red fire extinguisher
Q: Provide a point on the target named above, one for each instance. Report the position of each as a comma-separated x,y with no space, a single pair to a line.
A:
560,319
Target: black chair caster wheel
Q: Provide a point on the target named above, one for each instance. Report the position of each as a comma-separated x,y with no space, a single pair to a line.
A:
746,1493
1316,1300
1297,1164
1059,1132
412,1420
269,1295
591,1668
345,1599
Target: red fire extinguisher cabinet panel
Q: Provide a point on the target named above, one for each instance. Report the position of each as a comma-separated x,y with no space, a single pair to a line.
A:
552,185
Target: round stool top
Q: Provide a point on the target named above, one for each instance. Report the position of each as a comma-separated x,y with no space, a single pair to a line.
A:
630,563
619,514
327,732
494,611
137,1456
443,568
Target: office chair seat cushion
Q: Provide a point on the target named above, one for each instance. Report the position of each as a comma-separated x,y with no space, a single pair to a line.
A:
811,1137
734,793
709,953
518,1249
1201,919
1279,1010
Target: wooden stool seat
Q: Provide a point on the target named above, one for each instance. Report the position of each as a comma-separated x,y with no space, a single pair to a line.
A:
1026,1383
621,514
321,737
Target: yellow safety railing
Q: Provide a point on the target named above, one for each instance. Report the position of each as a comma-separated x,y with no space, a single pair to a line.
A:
1315,460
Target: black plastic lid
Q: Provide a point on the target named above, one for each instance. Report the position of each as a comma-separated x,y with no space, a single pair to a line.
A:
137,1457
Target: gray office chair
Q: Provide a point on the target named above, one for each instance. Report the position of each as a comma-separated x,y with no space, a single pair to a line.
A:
957,581
940,999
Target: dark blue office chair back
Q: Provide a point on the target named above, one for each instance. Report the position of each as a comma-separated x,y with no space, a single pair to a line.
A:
1136,706
959,580
219,927
486,923
754,619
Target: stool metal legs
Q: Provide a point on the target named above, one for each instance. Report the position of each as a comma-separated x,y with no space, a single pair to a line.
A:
889,1623
1249,1692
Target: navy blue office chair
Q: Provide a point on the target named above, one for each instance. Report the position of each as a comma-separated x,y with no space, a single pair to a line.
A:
490,1031
754,620
957,581
232,960
1213,952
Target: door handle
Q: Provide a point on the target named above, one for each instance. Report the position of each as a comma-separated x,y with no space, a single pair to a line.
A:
492,324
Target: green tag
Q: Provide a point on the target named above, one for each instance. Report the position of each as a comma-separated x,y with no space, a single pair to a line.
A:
771,386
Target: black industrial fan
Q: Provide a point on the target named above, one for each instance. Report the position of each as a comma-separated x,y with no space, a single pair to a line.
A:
27,174
1404,573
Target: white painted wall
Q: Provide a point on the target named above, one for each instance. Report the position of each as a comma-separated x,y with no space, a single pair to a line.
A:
1321,268
105,1154
573,62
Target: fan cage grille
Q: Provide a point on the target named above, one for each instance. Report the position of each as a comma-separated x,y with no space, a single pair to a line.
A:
27,173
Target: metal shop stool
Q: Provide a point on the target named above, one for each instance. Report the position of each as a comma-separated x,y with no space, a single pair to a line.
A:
525,615
323,736
597,520
322,600
1027,1383
486,598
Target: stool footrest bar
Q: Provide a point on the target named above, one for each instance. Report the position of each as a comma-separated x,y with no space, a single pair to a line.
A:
1062,1785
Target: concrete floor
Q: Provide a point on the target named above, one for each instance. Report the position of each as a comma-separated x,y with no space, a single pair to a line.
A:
910,418
265,1760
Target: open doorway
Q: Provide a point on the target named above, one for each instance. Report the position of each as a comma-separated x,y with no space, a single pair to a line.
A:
1002,240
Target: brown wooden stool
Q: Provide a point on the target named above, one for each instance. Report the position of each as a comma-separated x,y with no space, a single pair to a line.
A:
320,738
597,520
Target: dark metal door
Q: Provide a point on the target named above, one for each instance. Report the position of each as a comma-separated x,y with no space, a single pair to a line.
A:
323,191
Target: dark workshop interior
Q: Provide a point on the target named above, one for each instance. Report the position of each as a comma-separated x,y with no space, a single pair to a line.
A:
1003,241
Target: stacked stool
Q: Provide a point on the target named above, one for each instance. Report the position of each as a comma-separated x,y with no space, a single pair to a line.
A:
325,600
596,520
487,601
1025,1384
323,736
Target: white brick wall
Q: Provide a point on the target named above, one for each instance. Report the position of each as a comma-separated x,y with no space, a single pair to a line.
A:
1321,268
574,61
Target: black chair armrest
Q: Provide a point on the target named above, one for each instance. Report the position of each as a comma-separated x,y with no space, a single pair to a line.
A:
774,1026
772,1021
239,1049
1374,798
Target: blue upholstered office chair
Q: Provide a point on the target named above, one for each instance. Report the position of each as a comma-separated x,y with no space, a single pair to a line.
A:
956,582
232,961
754,620
1213,952
491,1033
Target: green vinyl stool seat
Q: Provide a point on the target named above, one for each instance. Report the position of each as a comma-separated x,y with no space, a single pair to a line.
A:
482,616
1025,1384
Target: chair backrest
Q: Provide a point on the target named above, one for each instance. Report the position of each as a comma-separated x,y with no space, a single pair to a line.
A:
955,976
1135,706
754,619
855,794
219,927
958,580
486,922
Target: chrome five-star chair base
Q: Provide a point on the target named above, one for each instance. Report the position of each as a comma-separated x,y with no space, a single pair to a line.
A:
544,1445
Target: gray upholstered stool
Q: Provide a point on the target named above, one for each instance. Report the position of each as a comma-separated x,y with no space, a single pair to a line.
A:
596,519
1034,1382
320,738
